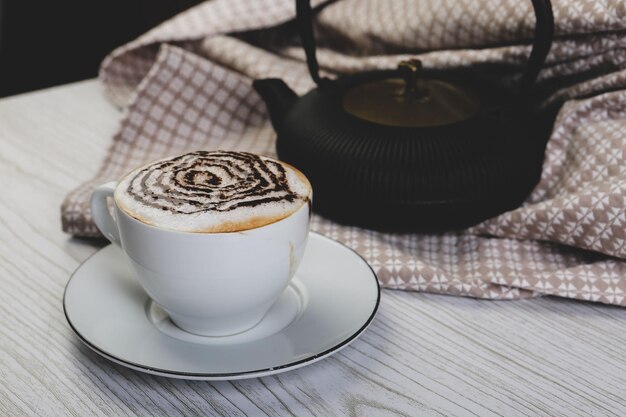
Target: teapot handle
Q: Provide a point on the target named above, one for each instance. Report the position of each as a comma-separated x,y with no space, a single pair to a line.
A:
304,17
544,32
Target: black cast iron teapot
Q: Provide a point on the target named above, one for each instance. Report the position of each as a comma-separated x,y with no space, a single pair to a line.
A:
412,149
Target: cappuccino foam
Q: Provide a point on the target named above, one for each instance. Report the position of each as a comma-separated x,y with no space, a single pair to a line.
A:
213,192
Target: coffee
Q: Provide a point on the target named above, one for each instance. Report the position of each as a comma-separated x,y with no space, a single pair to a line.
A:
213,192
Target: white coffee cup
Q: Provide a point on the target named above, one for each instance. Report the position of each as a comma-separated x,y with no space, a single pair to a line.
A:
211,284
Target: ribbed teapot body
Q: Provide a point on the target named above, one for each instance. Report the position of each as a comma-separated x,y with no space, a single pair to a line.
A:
412,178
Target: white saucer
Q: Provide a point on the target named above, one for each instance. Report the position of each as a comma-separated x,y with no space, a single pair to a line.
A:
329,303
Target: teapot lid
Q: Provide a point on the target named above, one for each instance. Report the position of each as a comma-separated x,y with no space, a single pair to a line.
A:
411,101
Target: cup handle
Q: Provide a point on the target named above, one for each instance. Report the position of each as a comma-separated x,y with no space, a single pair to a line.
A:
101,214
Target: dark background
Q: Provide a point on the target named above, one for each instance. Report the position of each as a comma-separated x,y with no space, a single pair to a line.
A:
50,42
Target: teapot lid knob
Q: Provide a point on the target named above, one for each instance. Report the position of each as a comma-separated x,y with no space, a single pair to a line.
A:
410,71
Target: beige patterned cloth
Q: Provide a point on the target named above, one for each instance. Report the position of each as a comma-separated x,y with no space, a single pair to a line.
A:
187,85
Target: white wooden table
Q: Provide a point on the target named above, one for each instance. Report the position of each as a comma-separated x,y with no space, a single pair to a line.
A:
424,354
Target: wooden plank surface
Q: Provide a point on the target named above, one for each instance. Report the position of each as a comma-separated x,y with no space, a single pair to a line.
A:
424,354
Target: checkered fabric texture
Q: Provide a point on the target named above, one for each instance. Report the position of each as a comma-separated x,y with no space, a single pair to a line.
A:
186,85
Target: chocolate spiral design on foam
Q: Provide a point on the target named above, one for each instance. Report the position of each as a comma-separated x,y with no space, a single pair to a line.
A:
217,181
